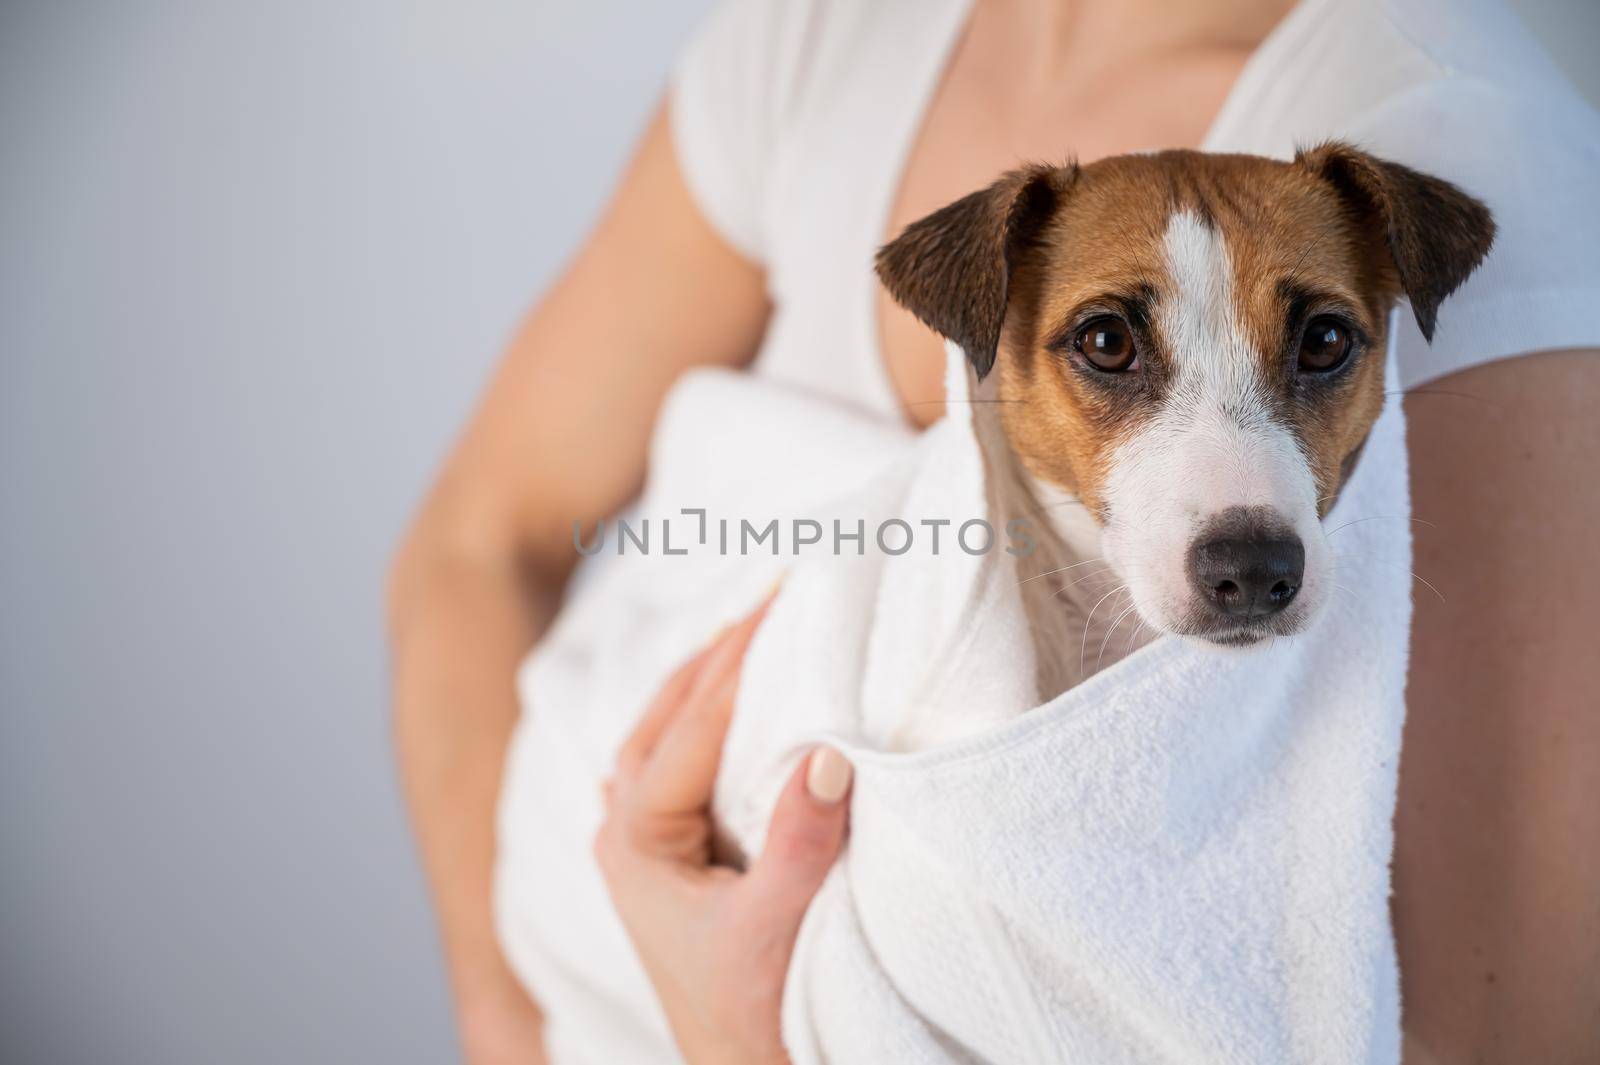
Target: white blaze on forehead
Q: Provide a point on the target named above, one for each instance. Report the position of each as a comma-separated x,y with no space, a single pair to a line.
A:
1230,450
1197,316
1214,443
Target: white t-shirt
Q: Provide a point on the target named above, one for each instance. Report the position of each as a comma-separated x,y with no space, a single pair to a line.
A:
792,121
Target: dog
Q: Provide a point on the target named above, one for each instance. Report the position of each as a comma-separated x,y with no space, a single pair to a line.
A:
1188,352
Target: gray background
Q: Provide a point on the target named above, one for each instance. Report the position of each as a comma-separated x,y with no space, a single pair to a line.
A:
255,261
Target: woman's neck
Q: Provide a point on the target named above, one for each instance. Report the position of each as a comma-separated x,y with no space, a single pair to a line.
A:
1060,33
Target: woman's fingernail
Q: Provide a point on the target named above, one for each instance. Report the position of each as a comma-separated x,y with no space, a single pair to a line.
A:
828,775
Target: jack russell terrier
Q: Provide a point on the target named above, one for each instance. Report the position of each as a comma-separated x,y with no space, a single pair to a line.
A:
1190,349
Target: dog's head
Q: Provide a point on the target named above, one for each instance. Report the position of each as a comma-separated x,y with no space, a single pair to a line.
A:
1193,346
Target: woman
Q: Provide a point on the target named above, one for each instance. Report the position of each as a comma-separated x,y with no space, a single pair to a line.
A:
797,136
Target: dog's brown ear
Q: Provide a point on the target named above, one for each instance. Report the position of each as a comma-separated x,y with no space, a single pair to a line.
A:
953,268
1436,234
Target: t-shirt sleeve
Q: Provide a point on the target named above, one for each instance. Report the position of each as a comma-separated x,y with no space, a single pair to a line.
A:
726,103
1533,161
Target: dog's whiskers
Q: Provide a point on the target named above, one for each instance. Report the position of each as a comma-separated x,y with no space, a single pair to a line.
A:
1408,392
1119,619
1383,517
1133,634
1063,569
1060,503
1417,576
1103,571
1083,647
931,402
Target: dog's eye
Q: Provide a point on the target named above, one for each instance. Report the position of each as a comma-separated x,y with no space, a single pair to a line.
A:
1107,344
1324,346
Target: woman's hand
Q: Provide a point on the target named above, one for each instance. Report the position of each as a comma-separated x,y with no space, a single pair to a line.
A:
716,943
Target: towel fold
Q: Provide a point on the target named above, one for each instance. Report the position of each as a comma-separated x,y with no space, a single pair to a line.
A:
1182,859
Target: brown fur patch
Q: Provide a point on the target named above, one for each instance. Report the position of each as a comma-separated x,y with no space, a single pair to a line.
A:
1436,234
953,268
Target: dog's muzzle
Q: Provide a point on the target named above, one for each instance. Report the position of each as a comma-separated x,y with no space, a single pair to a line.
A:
1245,566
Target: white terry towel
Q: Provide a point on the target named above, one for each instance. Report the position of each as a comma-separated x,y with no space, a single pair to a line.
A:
1183,859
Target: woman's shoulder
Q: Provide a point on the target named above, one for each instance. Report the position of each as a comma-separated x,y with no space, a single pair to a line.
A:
1500,119
795,47
755,71
1487,107
1334,67
1462,90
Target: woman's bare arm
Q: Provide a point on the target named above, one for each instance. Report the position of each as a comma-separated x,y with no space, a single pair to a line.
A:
560,435
1497,864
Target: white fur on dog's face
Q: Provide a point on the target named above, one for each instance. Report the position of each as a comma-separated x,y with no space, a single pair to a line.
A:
1207,444
1214,445
1189,346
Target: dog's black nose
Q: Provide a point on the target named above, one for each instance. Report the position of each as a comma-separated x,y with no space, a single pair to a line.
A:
1247,574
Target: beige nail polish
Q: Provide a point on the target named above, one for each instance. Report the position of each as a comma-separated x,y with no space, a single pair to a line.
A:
828,775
